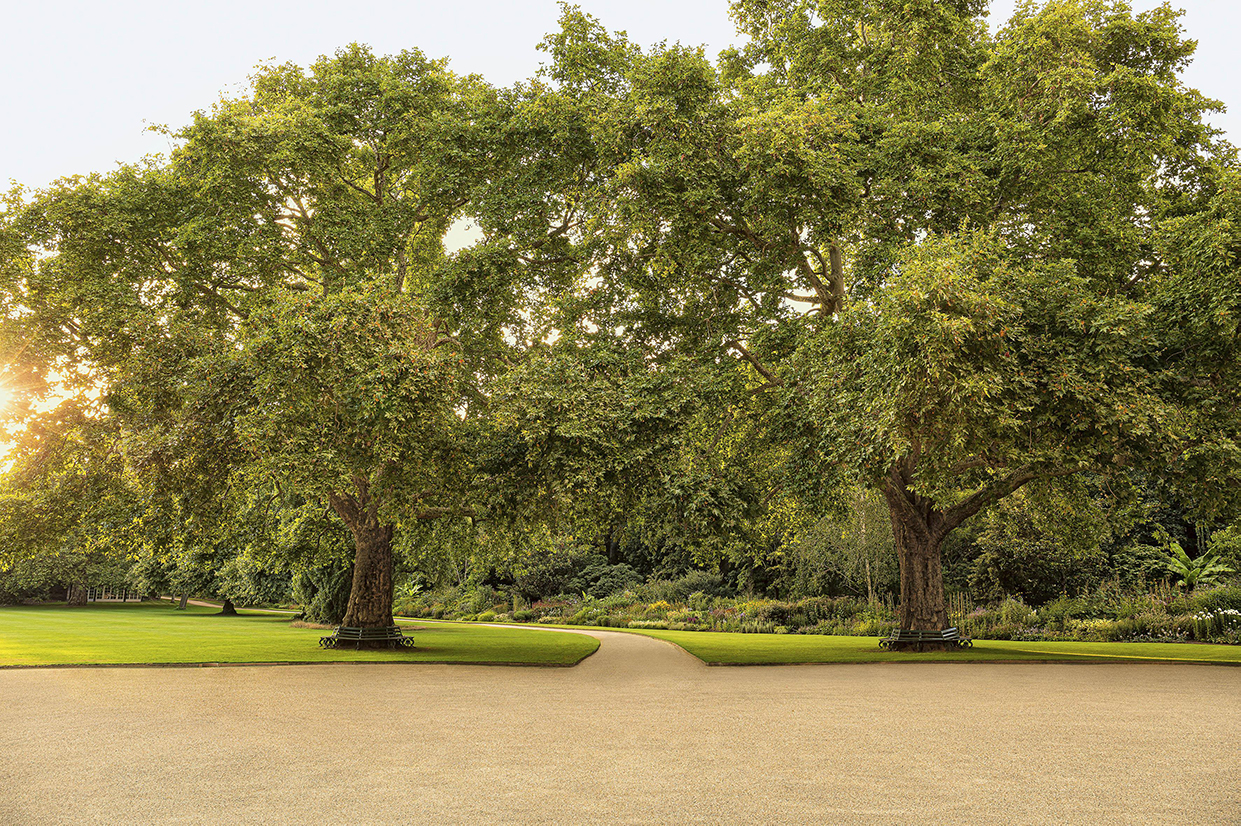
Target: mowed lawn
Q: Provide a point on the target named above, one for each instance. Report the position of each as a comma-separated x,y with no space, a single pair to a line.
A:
118,633
718,648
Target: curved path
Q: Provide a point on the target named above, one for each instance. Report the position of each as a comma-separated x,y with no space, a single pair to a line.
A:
640,732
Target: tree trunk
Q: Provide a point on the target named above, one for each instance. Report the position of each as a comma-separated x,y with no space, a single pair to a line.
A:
918,528
370,599
870,586
922,581
228,609
77,594
612,544
836,281
185,600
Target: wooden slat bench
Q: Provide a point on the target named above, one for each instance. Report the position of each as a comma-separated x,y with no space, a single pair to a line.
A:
948,635
391,635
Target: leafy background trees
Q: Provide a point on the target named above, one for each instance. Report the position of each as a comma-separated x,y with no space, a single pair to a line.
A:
714,318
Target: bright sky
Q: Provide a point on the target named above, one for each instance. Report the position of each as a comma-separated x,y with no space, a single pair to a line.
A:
82,79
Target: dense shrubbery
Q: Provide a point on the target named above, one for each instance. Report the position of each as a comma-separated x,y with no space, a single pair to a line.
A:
700,601
323,592
1113,614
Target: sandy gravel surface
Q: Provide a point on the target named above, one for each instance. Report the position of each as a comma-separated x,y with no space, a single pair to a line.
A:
639,733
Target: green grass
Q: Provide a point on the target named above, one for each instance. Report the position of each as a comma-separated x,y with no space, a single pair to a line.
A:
716,648
155,633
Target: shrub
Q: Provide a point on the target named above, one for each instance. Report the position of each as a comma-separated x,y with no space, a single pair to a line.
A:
1014,611
1149,627
1095,630
1137,564
874,627
481,599
777,613
1062,612
680,590
1025,557
685,617
323,592
1221,598
1226,544
549,574
605,580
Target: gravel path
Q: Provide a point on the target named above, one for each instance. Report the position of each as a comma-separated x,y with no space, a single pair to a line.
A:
638,733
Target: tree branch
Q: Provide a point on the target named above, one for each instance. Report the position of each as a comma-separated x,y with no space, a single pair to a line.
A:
748,356
988,495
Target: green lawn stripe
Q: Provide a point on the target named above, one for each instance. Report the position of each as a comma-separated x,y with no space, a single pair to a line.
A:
155,633
727,648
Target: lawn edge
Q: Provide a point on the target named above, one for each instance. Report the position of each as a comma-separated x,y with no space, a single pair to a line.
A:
19,666
1076,659
1083,661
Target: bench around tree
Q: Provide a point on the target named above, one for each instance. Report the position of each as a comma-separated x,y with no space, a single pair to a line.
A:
391,635
948,635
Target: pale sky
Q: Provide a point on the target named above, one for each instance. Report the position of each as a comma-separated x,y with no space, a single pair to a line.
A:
81,80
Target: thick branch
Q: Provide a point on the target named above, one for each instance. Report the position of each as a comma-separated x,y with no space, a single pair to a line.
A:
898,495
807,272
210,291
988,495
346,507
962,467
363,190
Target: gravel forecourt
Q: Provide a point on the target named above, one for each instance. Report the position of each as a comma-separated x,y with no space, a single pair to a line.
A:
640,732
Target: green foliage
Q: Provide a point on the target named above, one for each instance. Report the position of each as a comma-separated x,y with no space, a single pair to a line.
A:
1226,545
351,388
243,581
66,508
684,588
1190,573
876,248
982,358
1138,563
854,552
1039,550
323,592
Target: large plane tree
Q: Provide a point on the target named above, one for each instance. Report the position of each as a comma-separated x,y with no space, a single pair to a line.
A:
954,263
271,313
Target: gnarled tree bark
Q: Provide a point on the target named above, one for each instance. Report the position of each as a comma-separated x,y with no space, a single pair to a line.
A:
370,598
